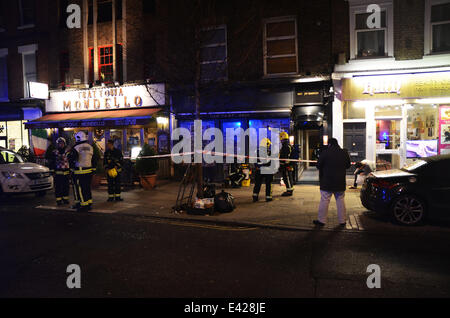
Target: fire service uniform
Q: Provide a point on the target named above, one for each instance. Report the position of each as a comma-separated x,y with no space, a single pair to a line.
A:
81,165
113,159
286,167
59,166
260,177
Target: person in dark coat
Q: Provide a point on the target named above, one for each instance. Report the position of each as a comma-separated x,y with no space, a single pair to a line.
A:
332,164
59,166
113,159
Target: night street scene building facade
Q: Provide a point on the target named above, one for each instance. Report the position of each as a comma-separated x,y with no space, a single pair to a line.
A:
371,77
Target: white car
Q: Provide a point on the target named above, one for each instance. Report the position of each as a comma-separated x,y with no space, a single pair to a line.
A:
17,176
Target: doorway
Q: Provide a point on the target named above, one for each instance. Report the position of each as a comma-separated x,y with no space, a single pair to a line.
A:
355,142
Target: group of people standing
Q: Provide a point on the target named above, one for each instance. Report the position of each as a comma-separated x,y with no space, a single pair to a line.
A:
332,162
76,165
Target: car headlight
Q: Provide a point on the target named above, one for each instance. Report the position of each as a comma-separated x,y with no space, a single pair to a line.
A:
11,175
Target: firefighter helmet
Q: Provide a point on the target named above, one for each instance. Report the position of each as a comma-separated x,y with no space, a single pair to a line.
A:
61,139
265,142
284,135
80,136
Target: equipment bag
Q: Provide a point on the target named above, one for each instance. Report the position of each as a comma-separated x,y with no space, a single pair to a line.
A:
224,202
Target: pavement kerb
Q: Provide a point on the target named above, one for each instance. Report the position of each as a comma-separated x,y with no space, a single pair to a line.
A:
240,223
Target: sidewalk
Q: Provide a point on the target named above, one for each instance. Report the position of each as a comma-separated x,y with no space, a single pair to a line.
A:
296,212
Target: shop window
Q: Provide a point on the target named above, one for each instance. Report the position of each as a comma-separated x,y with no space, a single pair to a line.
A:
388,161
354,110
213,53
269,124
422,133
27,12
440,27
388,134
104,11
3,78
280,52
29,71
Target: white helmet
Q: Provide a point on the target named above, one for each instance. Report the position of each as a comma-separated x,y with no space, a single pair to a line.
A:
61,139
80,136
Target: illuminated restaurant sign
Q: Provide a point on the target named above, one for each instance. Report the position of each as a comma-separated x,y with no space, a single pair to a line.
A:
418,85
106,98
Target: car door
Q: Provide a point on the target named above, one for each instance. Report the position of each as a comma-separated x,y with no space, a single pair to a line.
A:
437,185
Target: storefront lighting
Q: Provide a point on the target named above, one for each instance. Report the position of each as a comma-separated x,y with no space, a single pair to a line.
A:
162,120
381,102
311,79
325,140
291,140
135,152
433,101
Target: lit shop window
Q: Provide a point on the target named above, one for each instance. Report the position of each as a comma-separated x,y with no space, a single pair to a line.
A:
29,71
370,42
440,25
213,53
280,46
354,110
422,134
388,134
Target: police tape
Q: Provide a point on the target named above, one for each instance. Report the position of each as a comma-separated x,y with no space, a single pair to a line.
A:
215,153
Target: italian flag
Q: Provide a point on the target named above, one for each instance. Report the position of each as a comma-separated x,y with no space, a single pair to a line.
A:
39,141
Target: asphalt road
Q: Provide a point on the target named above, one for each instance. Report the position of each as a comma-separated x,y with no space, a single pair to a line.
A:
124,256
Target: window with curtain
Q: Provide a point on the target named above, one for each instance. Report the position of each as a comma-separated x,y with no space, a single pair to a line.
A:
370,42
440,25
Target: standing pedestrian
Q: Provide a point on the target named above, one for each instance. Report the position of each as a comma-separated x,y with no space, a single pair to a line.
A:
113,162
332,164
81,158
59,166
259,176
286,167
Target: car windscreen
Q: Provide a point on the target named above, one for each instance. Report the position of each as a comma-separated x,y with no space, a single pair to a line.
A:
9,157
414,165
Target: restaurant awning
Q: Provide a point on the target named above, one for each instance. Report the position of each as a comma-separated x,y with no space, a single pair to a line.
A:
108,118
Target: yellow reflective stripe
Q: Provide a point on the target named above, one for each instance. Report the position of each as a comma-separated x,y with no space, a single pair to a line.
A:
64,173
83,171
66,198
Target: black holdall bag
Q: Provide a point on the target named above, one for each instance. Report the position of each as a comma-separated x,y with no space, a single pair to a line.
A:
224,202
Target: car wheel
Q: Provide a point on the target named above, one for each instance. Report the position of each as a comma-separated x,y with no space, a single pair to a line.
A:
41,194
408,210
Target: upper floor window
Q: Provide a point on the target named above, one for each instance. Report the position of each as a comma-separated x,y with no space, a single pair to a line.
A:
280,46
440,26
104,11
27,13
2,17
367,41
3,76
213,53
105,63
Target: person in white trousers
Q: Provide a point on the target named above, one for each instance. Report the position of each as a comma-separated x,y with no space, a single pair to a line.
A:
332,164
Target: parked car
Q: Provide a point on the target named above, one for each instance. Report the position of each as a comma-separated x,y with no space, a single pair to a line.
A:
413,193
17,176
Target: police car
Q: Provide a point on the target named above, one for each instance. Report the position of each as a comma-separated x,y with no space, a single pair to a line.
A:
17,176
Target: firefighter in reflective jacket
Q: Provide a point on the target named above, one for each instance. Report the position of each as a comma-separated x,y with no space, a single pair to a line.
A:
286,167
81,159
259,176
113,162
59,166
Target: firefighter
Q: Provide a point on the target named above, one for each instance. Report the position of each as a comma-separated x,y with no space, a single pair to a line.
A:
286,167
259,176
81,158
113,162
59,166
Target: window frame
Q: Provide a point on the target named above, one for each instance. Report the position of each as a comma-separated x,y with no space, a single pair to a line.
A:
428,28
91,63
4,54
388,30
266,57
218,44
29,49
22,24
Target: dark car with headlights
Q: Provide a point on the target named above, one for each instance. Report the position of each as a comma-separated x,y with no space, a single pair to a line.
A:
413,193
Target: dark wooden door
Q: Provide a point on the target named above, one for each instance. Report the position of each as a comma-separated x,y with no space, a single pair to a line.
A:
355,142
